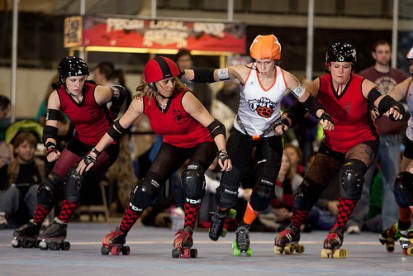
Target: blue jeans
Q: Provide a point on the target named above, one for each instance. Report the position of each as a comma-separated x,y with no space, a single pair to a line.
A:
11,199
389,160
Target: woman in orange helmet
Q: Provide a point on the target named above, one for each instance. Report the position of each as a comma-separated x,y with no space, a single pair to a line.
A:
258,124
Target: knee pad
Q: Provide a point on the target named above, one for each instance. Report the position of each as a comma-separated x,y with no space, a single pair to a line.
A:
193,183
145,193
403,189
226,196
262,194
74,185
306,196
351,179
49,191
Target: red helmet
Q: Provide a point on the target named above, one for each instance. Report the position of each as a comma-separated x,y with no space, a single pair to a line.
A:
265,47
160,68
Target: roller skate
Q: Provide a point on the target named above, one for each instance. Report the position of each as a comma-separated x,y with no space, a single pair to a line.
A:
406,241
26,236
114,243
241,245
53,237
287,241
183,243
389,236
333,243
217,228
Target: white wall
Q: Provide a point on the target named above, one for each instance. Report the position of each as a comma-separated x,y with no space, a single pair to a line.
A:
32,86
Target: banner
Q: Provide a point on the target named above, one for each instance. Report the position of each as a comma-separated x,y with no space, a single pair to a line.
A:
157,34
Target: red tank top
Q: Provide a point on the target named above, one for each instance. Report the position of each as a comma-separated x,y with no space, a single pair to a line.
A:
90,120
176,126
350,113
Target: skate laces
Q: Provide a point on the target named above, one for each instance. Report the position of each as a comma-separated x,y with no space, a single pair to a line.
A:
336,234
242,233
218,221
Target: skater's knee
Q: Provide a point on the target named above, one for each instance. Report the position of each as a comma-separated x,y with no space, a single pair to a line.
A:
262,194
49,190
74,184
305,197
193,182
403,189
145,193
351,179
226,196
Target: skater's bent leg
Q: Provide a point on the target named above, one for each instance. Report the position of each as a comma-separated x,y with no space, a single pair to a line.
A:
193,183
304,199
403,191
47,195
143,196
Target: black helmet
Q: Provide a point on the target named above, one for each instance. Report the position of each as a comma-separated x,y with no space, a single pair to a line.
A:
341,52
72,66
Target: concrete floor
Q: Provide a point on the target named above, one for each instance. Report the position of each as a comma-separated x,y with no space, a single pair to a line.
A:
151,255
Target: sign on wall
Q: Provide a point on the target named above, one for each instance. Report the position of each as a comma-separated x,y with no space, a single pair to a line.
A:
155,34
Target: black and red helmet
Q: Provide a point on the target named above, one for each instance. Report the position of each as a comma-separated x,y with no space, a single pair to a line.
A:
160,68
341,52
72,66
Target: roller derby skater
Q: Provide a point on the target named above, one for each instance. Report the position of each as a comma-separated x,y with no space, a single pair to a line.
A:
114,243
188,132
26,236
288,241
53,237
346,151
403,185
256,130
217,228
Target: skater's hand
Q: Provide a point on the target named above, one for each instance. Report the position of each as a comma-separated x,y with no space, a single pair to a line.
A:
224,161
51,152
87,162
282,127
326,122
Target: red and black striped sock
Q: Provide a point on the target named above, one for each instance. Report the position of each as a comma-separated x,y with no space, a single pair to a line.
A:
68,208
40,214
298,217
191,214
345,209
128,220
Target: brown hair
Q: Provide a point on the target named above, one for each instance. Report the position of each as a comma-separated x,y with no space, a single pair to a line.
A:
24,136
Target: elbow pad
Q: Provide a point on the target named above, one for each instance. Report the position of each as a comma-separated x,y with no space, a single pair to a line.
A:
216,128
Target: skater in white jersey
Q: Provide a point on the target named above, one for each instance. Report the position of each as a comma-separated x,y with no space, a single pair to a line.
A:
258,124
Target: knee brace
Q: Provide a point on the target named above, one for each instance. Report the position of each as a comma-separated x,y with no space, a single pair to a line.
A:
403,189
306,196
74,185
262,194
49,191
193,183
226,196
351,179
145,193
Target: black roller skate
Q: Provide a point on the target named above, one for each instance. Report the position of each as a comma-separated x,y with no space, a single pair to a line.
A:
114,242
241,245
26,236
333,243
406,241
53,237
217,228
287,241
389,236
183,243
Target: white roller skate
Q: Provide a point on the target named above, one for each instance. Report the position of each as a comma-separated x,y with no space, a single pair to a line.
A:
287,241
333,243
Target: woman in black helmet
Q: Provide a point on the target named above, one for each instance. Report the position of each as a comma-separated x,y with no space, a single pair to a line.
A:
84,103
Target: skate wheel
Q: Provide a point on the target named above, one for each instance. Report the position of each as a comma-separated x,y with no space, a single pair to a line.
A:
15,243
278,250
193,253
36,244
65,245
104,250
299,248
249,252
232,213
115,250
125,250
54,246
27,243
224,233
326,253
390,247
43,245
289,249
176,253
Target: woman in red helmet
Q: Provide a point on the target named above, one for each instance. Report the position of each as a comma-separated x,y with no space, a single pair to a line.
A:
188,131
84,103
346,152
258,125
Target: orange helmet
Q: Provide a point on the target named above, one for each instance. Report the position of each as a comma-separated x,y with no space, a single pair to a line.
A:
265,47
410,54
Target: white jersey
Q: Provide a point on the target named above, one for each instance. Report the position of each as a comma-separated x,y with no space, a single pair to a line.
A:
259,108
409,101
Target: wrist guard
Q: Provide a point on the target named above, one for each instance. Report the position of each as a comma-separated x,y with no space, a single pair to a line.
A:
223,155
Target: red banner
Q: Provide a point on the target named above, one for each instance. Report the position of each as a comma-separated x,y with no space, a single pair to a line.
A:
159,34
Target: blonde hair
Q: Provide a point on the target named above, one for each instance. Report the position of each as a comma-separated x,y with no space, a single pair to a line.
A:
148,89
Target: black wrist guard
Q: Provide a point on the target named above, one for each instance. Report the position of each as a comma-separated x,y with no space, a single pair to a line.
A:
312,105
222,156
387,102
50,147
203,75
49,132
326,117
216,128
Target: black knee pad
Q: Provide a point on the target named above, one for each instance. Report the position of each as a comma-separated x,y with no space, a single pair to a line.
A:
49,191
306,196
403,189
351,179
262,194
226,196
193,183
144,194
74,185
